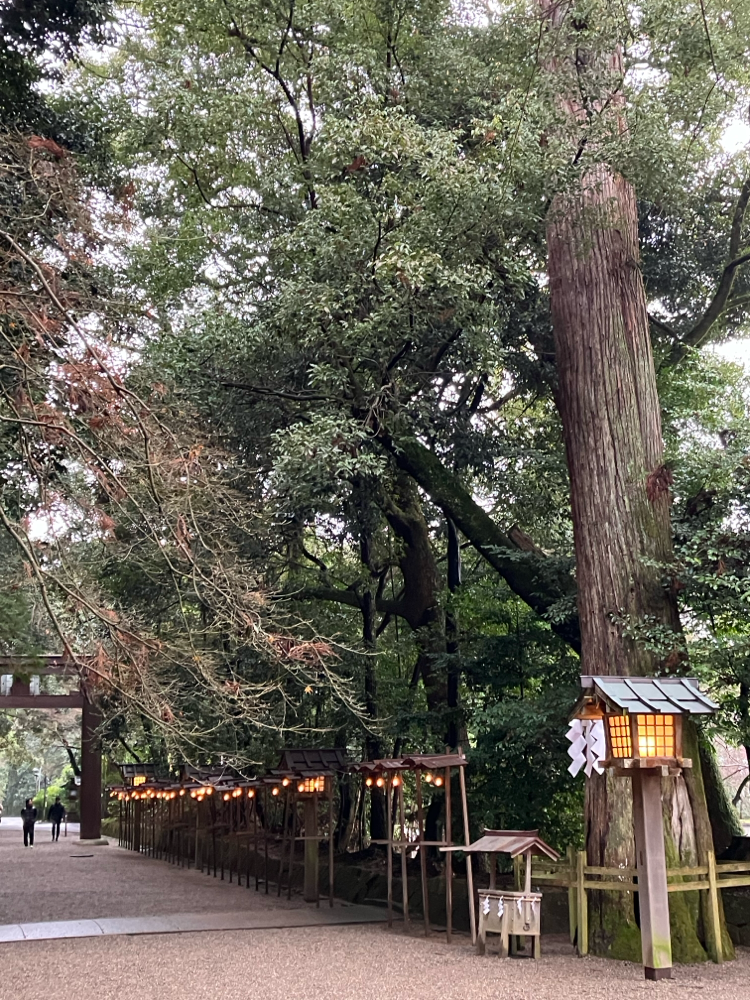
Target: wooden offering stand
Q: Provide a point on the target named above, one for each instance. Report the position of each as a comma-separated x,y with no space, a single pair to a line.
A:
512,915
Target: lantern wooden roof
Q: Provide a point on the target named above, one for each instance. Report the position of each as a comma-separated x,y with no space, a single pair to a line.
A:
131,771
304,763
415,762
513,842
649,695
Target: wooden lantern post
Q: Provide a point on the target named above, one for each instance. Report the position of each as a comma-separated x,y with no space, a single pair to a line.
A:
642,720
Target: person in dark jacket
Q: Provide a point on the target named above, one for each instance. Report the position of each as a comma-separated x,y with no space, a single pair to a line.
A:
28,815
55,815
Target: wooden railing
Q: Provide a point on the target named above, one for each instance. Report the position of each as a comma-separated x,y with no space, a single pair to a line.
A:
579,878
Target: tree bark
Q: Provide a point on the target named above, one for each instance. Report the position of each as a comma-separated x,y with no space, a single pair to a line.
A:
620,504
420,605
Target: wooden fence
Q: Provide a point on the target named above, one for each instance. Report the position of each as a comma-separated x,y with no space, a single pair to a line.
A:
579,878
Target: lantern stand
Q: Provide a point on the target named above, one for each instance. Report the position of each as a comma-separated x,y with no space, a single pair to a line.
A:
510,914
388,773
642,721
309,775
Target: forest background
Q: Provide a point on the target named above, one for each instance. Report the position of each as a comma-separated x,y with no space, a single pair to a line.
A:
281,457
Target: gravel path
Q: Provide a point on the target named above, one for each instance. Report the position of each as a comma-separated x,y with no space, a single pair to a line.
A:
65,881
336,963
331,963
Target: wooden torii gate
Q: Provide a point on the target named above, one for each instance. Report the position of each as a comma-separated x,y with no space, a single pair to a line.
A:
24,691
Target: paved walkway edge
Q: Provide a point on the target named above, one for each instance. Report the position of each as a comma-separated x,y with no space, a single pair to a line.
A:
181,923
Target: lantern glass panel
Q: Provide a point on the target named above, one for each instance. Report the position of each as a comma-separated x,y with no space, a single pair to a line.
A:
619,736
313,785
656,736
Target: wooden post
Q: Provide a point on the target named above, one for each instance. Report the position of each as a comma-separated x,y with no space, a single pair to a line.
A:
256,859
493,870
572,902
331,832
91,774
448,859
517,873
713,895
422,856
469,872
265,834
389,847
527,881
311,849
653,896
583,916
292,846
135,826
404,871
284,832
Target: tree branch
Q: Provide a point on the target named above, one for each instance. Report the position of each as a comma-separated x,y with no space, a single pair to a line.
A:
536,579
339,595
718,304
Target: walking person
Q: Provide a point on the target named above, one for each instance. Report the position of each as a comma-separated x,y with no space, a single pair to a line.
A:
28,815
55,815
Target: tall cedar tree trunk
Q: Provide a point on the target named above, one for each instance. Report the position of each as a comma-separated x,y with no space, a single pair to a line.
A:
620,502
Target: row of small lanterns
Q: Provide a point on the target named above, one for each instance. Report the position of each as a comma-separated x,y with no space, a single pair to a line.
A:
307,785
380,782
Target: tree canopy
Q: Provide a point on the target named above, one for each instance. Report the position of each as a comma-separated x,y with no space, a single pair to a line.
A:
278,373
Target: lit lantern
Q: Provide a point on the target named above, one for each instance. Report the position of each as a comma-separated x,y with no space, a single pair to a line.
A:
438,781
251,793
396,781
380,782
368,782
642,722
275,790
227,796
182,792
428,778
285,781
642,717
310,785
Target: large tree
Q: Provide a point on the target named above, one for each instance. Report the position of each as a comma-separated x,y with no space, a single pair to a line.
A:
341,246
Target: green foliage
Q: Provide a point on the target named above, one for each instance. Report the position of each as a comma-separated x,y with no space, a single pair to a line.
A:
328,237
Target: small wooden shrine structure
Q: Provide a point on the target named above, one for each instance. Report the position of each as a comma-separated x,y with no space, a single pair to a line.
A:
434,770
309,776
510,914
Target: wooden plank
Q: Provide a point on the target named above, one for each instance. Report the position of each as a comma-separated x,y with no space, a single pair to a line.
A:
42,701
700,870
469,869
713,896
732,866
572,902
404,873
611,886
597,870
583,916
733,883
448,860
687,886
422,856
389,849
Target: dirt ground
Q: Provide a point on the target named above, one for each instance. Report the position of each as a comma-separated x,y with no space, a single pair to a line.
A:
333,963
365,962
